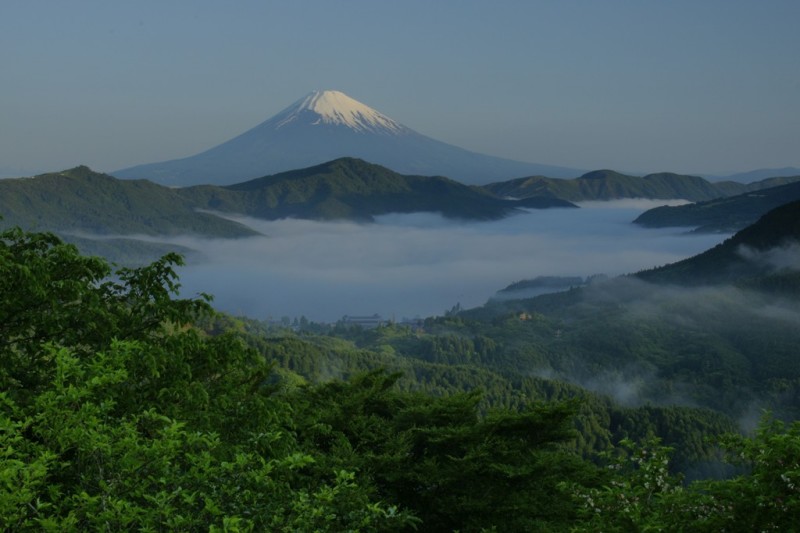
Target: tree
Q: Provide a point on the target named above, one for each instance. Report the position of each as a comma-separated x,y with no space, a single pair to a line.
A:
117,413
438,458
641,495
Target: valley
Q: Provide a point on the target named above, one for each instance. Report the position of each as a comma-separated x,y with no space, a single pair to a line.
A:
400,267
372,303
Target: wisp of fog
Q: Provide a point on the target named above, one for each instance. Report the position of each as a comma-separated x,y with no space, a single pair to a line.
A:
421,264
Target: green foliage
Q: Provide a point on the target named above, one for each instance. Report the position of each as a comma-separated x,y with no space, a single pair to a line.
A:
124,408
51,294
635,495
641,495
768,496
452,468
116,413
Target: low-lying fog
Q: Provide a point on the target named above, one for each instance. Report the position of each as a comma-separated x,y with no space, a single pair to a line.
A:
422,264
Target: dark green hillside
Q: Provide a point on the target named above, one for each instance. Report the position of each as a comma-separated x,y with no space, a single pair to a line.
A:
722,348
352,189
82,201
611,185
742,257
502,359
722,214
718,330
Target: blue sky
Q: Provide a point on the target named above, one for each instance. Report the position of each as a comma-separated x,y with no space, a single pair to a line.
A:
687,86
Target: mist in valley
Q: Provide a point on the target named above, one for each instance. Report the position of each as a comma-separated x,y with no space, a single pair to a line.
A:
720,346
421,264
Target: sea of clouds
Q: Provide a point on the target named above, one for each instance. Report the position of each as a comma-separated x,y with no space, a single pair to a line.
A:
421,264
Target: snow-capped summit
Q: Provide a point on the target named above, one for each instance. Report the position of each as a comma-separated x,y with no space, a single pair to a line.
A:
336,108
327,125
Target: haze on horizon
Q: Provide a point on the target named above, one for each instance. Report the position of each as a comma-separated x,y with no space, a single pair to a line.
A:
682,86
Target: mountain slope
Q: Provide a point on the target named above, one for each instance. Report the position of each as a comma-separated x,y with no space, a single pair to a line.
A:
326,125
82,201
352,189
718,330
721,214
610,185
766,249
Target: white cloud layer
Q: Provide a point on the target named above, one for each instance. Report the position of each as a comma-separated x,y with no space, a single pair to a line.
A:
422,264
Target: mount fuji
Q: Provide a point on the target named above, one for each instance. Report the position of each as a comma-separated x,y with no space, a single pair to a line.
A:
326,125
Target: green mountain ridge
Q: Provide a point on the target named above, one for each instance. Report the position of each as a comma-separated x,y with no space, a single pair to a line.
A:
80,200
612,185
354,189
121,220
721,214
742,258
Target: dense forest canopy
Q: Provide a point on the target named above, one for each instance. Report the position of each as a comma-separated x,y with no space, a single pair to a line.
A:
125,407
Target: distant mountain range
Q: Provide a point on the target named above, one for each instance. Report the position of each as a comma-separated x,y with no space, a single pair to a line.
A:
611,185
326,125
758,174
353,189
79,201
721,215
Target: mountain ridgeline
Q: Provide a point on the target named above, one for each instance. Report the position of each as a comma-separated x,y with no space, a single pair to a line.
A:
82,205
82,201
353,189
722,214
611,185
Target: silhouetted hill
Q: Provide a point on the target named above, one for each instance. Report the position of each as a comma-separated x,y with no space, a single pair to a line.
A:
353,189
765,249
80,200
611,185
722,214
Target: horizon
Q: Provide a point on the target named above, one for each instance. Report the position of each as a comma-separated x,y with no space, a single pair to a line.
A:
582,85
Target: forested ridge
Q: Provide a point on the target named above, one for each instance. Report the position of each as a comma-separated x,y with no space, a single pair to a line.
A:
722,215
125,407
610,185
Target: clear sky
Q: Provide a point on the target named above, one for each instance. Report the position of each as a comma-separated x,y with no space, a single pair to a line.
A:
709,86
